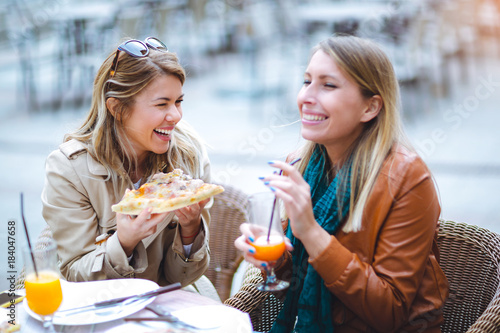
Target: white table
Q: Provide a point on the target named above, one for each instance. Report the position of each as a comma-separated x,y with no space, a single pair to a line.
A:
233,320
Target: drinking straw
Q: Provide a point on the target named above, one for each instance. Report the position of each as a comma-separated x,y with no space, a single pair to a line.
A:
274,202
27,235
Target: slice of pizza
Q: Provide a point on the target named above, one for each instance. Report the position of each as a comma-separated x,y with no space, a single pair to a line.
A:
166,192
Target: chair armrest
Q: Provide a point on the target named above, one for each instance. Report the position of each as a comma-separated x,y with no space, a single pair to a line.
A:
489,321
248,297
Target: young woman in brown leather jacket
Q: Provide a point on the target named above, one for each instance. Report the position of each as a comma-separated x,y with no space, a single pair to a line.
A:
361,206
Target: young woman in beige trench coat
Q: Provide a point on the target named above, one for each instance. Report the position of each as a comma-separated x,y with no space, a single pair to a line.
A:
133,130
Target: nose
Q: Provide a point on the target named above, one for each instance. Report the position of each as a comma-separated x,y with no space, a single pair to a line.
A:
306,95
174,114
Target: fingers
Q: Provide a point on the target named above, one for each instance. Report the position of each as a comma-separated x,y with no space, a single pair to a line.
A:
145,214
288,244
242,243
290,178
188,214
287,169
252,231
147,217
191,213
203,203
193,209
248,236
132,229
142,222
181,214
286,188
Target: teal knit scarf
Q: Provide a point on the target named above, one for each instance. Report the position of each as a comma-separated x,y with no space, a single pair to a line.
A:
308,300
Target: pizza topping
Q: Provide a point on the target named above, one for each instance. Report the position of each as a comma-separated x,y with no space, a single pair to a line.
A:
195,184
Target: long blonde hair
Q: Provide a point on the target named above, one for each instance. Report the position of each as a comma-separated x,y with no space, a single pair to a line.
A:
104,134
372,70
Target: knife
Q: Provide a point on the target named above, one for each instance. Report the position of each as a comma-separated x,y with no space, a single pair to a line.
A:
114,301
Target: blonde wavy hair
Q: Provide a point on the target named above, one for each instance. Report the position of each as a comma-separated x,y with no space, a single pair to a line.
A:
105,135
373,72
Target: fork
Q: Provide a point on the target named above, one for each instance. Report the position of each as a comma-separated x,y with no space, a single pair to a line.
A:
166,316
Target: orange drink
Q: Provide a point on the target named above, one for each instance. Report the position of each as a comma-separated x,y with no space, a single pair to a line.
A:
270,250
264,218
43,292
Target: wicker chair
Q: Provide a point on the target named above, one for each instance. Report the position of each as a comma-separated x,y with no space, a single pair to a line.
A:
469,256
262,307
227,213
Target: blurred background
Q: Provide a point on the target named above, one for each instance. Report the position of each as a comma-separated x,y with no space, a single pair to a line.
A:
245,60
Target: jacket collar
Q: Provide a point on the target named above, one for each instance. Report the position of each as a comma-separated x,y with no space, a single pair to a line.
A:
95,167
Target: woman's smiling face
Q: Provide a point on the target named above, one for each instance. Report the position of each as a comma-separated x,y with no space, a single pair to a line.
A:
331,106
153,116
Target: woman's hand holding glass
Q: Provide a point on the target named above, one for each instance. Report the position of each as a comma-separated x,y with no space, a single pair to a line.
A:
263,242
295,193
244,243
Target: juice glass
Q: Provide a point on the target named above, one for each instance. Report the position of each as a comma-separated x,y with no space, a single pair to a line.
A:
43,287
269,241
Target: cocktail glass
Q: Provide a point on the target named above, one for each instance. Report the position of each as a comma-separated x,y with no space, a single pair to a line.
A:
43,287
269,241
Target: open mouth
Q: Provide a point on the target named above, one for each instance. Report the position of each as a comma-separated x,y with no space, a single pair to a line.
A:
313,117
163,132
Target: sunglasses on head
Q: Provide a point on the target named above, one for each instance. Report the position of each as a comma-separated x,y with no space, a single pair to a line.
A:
137,49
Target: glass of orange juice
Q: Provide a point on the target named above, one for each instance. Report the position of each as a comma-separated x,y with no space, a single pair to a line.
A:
269,241
43,287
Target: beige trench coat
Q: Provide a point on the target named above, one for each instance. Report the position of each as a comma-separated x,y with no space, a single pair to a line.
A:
77,200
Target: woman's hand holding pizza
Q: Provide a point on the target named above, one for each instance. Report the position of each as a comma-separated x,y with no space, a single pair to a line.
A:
131,230
189,220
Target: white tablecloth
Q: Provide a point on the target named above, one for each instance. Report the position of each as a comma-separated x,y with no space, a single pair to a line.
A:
188,306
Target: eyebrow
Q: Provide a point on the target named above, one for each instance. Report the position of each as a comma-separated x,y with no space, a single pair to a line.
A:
329,76
325,76
167,98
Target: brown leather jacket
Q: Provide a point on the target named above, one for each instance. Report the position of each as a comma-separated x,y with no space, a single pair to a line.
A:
386,277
